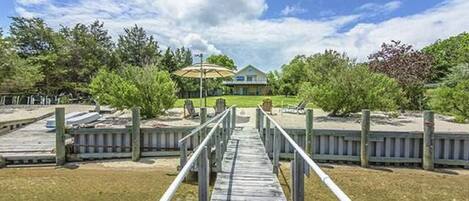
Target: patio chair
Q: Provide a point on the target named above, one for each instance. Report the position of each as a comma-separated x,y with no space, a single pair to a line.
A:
220,106
267,105
189,106
300,108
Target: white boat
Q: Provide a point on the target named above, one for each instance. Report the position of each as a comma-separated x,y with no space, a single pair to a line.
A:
75,118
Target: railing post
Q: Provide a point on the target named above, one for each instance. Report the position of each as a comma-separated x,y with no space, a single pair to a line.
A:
136,134
297,171
203,119
364,138
183,154
276,149
227,120
226,134
233,119
428,129
3,162
261,127
258,118
203,174
268,138
60,136
309,131
218,148
302,143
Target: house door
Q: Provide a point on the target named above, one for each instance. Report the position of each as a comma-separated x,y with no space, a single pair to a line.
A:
245,91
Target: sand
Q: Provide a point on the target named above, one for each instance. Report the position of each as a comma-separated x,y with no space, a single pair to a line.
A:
379,121
20,112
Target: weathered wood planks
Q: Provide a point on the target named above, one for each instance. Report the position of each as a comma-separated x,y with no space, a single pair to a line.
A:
246,170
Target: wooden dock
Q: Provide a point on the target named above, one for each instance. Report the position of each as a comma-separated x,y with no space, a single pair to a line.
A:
246,170
33,143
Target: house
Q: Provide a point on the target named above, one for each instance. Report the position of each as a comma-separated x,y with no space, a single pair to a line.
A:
248,81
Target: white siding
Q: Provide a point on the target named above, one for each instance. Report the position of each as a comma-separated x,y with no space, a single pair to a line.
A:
251,71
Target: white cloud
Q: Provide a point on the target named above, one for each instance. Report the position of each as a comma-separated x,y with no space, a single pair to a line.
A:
237,29
197,44
387,7
292,10
31,2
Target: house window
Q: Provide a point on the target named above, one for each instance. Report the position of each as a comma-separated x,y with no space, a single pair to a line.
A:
251,78
239,78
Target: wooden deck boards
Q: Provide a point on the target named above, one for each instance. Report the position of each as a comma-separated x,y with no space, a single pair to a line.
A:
246,170
32,142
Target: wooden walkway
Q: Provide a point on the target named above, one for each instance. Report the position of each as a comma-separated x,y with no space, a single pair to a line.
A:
33,143
246,170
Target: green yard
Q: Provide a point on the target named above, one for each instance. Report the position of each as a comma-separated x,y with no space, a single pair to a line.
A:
92,182
246,101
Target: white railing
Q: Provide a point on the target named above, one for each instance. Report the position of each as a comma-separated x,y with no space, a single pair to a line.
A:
218,135
297,164
246,82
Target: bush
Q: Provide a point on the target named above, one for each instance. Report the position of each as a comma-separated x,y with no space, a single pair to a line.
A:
353,89
452,100
457,74
151,90
411,69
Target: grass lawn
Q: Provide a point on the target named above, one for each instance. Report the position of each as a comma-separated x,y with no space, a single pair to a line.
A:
366,184
90,184
114,183
245,101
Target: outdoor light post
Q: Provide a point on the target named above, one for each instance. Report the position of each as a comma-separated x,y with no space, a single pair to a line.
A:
201,76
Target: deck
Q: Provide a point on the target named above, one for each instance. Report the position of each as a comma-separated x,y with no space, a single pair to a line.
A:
246,170
33,143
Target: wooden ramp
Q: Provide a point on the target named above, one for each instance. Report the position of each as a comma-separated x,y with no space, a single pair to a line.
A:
246,170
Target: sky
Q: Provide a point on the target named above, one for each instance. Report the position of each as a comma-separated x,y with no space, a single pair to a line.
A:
264,33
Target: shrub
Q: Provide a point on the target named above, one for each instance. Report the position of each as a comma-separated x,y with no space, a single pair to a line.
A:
353,89
151,90
452,100
457,74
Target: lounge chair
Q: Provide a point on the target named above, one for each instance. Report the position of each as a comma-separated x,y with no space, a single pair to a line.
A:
300,108
220,106
267,105
189,106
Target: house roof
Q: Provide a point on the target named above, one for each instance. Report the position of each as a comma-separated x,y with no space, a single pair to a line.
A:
248,67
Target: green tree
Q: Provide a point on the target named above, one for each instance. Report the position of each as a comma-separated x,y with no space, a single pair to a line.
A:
411,68
314,69
32,36
168,61
293,74
457,74
38,43
273,81
453,96
221,60
16,74
136,48
452,100
448,53
86,50
183,58
352,89
148,88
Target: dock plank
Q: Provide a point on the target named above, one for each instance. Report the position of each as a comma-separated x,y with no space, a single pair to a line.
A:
246,170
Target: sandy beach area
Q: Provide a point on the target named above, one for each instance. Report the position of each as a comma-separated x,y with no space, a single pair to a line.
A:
412,121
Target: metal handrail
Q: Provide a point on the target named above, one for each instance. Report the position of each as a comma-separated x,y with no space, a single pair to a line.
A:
322,175
196,130
185,170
